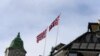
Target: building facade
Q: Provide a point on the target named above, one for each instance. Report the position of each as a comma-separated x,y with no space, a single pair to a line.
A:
88,44
16,48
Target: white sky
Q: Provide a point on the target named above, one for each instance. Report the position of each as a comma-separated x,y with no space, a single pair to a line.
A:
31,17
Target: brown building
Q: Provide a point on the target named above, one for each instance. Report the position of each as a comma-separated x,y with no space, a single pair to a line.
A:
88,44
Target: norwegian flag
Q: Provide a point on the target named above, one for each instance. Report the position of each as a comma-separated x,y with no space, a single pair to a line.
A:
41,36
54,23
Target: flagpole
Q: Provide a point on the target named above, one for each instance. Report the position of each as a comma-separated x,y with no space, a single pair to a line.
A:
57,35
45,43
57,31
44,48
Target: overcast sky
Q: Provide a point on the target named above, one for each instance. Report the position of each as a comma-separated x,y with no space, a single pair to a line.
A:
31,17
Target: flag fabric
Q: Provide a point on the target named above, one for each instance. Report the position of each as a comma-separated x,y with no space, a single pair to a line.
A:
54,23
41,36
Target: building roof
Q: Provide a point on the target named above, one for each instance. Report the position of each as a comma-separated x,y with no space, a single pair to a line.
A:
17,43
88,41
